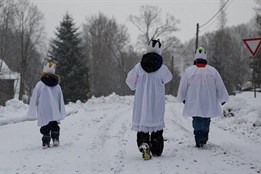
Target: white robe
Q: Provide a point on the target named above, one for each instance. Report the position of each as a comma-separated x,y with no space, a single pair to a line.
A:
46,104
149,101
203,90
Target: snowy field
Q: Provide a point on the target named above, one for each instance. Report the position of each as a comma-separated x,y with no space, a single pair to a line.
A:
96,138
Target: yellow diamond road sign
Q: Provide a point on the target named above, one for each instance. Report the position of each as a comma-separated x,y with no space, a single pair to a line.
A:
253,45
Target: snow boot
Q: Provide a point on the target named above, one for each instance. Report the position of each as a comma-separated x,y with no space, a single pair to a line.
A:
157,143
46,141
143,141
199,145
145,150
55,137
201,138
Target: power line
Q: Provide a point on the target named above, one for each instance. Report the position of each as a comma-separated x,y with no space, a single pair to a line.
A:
213,22
198,27
215,14
207,27
187,48
185,51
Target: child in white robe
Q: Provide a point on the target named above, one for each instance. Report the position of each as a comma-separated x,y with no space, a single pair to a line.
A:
202,91
47,105
148,79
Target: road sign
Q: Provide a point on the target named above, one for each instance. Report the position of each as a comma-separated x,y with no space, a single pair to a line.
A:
253,45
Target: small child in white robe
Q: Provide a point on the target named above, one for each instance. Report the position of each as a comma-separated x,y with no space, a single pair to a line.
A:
47,105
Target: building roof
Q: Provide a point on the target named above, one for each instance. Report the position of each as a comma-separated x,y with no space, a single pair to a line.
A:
6,73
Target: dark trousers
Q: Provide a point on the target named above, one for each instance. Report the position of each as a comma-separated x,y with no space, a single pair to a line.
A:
201,129
51,130
154,140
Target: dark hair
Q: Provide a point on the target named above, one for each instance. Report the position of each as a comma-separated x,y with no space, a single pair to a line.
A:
200,61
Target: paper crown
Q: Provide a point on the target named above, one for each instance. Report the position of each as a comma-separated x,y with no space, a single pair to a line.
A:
49,67
200,54
154,46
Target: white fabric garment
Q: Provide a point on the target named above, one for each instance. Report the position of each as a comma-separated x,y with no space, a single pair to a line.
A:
149,101
203,90
47,104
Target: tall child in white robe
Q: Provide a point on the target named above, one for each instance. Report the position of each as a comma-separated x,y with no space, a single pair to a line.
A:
148,79
202,91
47,105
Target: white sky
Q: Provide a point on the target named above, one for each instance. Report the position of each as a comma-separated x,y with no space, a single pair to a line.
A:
189,12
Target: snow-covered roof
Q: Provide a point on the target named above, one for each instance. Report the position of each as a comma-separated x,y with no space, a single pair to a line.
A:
6,73
3,67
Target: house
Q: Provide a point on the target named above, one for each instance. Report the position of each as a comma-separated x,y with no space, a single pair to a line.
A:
9,81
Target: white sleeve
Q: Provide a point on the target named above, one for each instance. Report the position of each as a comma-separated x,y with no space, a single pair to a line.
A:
61,104
183,87
32,111
132,77
222,94
167,76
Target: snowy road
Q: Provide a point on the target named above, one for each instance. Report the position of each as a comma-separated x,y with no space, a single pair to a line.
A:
96,138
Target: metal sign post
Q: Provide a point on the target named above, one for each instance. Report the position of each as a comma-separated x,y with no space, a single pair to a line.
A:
253,45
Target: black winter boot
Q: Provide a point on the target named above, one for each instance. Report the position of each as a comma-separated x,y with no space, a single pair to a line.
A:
145,150
46,141
143,142
55,137
157,143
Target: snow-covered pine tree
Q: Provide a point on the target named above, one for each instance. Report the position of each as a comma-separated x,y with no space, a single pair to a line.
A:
67,49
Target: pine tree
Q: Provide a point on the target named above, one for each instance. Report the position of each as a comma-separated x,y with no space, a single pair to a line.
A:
66,48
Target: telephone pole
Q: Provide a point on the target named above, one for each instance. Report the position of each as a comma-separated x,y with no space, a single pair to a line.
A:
197,36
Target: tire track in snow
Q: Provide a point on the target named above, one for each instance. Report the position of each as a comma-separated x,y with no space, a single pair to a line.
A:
240,150
113,139
110,129
228,149
177,125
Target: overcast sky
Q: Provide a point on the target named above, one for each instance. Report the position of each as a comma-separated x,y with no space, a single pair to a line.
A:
188,12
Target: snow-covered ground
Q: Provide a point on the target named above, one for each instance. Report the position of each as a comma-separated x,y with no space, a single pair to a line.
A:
96,138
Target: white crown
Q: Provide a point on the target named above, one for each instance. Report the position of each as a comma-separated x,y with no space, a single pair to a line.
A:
157,48
200,54
49,67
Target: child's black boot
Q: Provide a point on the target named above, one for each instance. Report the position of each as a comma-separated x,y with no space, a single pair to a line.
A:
46,141
157,143
55,137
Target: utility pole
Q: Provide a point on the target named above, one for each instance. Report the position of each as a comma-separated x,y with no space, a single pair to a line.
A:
197,36
172,71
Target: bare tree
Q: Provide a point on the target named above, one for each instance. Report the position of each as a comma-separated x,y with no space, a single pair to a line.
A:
106,42
29,31
222,16
6,26
150,24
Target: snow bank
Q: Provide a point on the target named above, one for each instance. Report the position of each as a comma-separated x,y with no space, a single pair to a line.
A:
243,113
14,111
